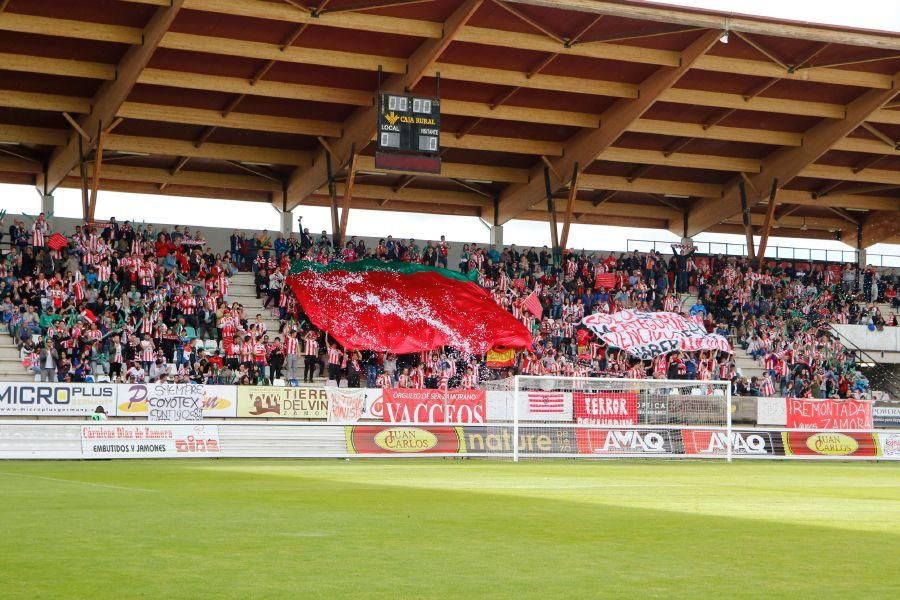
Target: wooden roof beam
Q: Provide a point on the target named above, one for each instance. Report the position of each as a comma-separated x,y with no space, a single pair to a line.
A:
533,22
878,227
365,5
588,143
360,126
786,163
112,94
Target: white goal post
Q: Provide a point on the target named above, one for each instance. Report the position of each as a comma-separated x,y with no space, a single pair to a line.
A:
575,417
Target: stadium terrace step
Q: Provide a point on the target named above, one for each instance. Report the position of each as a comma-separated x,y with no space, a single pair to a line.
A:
9,352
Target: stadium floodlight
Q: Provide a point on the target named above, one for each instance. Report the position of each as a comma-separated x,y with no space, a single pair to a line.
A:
724,38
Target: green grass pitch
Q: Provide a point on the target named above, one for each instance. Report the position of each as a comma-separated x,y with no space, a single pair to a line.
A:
448,529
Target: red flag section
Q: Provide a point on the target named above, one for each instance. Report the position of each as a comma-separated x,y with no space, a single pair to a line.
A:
402,312
605,280
533,305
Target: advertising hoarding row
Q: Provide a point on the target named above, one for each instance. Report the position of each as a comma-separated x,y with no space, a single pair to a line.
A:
612,442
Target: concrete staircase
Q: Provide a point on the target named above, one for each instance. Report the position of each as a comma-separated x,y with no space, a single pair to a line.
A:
10,363
242,289
743,361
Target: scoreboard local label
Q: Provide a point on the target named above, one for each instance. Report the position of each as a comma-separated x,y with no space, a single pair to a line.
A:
409,125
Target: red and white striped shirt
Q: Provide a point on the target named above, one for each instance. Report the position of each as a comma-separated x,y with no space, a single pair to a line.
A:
334,356
40,230
311,346
290,345
104,272
247,352
384,381
148,353
188,304
259,352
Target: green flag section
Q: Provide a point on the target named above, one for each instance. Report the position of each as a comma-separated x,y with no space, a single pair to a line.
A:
402,308
371,264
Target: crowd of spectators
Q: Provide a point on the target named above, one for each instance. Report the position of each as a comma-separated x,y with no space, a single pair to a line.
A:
124,302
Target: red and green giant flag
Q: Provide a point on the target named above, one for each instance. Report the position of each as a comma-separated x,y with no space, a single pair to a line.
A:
402,308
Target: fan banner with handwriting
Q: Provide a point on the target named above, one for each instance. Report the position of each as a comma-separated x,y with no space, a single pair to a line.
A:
648,334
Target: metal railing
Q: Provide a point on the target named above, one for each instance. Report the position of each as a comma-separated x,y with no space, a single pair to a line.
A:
778,252
879,375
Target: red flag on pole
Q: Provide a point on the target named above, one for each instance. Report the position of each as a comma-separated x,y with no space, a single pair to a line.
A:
533,305
57,241
605,280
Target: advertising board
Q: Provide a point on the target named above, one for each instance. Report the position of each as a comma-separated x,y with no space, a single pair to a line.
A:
545,406
771,411
176,401
532,440
659,442
56,399
889,443
606,408
743,443
433,406
886,414
149,441
831,443
381,439
282,402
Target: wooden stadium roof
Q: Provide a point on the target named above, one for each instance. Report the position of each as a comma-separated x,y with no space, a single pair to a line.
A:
640,113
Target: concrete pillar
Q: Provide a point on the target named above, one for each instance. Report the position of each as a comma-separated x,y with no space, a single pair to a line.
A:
47,204
861,258
497,236
287,222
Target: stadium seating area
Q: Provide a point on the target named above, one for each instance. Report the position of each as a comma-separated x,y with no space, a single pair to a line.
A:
128,303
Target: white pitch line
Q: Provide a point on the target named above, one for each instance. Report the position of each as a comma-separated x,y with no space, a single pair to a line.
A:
77,481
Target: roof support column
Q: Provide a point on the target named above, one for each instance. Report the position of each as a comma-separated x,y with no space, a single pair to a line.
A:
748,228
551,213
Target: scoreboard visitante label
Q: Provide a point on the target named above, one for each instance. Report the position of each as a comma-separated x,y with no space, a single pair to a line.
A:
409,131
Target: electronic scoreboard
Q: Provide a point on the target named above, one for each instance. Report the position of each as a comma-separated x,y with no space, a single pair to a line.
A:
409,133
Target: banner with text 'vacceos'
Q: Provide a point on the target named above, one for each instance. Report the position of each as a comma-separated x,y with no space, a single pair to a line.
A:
648,334
434,406
807,413
56,399
149,441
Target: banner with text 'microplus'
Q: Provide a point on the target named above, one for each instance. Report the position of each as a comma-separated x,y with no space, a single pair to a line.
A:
56,399
149,441
647,334
807,413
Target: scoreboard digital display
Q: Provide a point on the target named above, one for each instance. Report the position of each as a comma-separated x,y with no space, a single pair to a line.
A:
409,133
